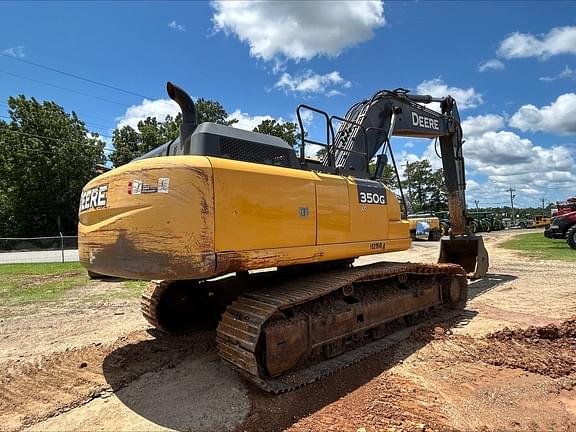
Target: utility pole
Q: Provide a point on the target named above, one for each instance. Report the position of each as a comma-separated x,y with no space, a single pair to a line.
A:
543,206
476,202
512,204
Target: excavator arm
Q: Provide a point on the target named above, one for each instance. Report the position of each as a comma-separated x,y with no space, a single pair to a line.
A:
370,124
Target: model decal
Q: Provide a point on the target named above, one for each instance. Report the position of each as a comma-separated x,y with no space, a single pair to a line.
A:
371,192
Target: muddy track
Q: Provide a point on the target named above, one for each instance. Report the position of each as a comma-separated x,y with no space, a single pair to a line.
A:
32,392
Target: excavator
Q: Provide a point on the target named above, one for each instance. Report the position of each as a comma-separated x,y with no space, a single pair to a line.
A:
239,231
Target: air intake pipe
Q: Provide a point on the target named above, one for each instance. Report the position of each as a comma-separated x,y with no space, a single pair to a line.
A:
189,116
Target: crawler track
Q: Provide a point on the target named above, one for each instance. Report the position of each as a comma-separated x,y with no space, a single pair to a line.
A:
245,323
150,300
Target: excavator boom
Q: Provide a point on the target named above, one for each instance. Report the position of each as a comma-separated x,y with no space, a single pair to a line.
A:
368,126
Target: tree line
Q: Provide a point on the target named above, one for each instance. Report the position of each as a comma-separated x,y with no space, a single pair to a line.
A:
47,155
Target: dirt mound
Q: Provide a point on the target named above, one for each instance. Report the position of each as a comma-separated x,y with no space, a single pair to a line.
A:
565,330
429,333
545,350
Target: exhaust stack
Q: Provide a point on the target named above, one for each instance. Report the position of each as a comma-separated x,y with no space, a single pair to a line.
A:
189,115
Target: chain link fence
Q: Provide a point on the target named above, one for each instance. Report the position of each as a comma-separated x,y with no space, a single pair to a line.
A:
38,249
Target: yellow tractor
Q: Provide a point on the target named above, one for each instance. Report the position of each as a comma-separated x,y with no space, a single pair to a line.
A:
540,221
222,201
425,226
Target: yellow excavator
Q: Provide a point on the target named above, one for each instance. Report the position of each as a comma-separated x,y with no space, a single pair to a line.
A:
202,216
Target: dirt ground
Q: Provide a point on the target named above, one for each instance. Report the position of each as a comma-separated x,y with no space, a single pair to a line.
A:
78,365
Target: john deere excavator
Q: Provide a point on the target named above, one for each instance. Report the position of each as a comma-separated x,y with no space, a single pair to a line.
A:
198,215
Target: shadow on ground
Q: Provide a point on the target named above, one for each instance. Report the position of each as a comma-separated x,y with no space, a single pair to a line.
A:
189,387
487,283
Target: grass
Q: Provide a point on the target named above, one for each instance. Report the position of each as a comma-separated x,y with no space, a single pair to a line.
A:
538,246
29,283
135,286
40,268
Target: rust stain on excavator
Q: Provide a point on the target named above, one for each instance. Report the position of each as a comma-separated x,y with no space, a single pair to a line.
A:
240,261
127,258
206,210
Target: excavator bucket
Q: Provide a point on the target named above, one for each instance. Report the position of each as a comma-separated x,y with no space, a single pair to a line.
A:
468,252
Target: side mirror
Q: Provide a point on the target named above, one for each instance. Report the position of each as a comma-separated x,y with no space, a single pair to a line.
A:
381,162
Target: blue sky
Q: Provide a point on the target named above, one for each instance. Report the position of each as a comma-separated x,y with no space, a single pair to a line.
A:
511,67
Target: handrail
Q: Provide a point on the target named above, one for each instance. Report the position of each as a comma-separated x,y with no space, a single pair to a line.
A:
303,133
388,146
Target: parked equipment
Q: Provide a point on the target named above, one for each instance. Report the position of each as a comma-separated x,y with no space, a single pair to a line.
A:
425,226
485,222
220,200
563,222
540,221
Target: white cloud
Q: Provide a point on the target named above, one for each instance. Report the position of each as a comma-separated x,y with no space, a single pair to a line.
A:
567,73
174,25
107,141
247,122
465,98
558,117
478,125
559,40
298,30
17,51
309,83
307,117
509,160
159,108
493,64
497,160
494,150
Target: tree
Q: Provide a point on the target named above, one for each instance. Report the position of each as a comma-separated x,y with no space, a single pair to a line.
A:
289,132
46,157
211,111
425,188
129,143
126,145
418,176
388,175
438,199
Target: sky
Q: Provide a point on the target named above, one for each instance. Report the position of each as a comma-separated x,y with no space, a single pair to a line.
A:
511,66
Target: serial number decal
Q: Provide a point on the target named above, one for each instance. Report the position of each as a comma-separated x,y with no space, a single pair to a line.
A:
95,197
377,246
371,192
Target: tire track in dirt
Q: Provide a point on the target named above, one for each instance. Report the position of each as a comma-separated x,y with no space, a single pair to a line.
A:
32,392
